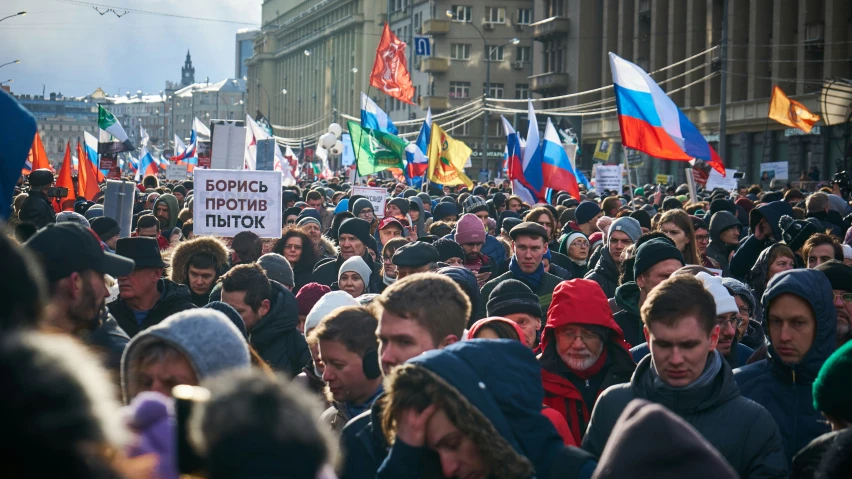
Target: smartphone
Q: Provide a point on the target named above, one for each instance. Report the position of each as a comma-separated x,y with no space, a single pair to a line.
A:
189,462
57,192
486,268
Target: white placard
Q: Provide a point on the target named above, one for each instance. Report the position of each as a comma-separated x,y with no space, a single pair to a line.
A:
608,177
778,169
176,172
229,147
716,180
377,197
228,202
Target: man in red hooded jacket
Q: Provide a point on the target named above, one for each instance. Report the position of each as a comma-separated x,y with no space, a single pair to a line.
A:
583,352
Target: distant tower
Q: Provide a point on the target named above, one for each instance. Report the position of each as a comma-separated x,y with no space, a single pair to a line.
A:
187,76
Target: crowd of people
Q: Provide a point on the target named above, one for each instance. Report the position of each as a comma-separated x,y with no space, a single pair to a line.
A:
465,333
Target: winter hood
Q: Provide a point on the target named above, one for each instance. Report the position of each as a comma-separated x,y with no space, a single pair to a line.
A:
501,380
721,221
421,220
172,202
581,301
627,296
471,333
187,249
773,212
282,318
812,286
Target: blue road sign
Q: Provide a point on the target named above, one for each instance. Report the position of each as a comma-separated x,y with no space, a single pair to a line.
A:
422,46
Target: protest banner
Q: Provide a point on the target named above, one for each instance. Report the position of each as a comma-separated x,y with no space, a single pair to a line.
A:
716,180
377,197
228,202
771,171
608,177
176,172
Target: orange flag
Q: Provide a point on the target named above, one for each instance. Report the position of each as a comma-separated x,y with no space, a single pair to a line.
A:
37,157
64,179
82,156
390,71
87,179
790,112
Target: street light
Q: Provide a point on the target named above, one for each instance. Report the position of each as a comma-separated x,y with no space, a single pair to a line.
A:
488,51
10,63
15,15
7,81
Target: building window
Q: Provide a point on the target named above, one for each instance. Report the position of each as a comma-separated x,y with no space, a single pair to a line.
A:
459,89
553,58
495,15
495,90
522,91
524,16
463,130
496,54
553,8
522,54
461,13
460,51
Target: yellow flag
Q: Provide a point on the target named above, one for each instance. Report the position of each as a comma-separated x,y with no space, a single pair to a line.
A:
790,112
446,159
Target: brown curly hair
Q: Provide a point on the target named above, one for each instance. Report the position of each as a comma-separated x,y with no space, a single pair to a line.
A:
310,251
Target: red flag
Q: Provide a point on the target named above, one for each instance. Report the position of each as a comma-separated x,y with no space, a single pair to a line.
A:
390,73
87,179
64,179
37,157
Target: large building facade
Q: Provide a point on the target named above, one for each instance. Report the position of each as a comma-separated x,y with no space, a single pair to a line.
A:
794,44
61,120
243,50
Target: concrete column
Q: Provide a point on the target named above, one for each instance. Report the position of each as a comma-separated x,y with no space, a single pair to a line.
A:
611,16
837,15
659,34
626,22
738,37
676,47
695,42
642,34
713,25
784,15
759,51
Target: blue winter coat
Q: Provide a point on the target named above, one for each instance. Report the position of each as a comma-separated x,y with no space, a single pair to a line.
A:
501,380
785,389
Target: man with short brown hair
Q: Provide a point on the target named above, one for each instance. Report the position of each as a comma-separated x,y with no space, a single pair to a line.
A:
686,374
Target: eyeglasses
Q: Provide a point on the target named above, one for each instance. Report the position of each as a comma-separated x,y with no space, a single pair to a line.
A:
585,336
737,321
580,243
365,214
293,246
702,238
845,297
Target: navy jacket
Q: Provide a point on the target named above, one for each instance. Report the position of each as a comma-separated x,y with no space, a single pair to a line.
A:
750,247
785,389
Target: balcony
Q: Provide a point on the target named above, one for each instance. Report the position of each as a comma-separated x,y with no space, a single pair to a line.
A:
550,27
435,102
549,81
435,26
434,65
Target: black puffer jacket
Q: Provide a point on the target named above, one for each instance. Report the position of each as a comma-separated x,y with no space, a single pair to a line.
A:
275,337
176,298
718,250
37,210
742,431
605,273
326,272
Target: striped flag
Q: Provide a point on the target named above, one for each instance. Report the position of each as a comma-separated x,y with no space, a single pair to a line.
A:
110,124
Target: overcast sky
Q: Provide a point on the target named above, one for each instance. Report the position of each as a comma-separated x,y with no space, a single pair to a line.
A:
72,49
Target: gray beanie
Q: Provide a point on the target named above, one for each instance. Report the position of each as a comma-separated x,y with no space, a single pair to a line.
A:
361,204
277,268
94,211
743,292
308,219
206,338
627,225
358,265
72,217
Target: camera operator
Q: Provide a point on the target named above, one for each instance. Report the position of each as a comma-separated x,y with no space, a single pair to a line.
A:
37,208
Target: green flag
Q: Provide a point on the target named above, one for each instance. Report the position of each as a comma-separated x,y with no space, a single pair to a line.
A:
375,150
110,124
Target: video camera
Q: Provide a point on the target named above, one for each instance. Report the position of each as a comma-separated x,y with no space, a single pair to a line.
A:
57,192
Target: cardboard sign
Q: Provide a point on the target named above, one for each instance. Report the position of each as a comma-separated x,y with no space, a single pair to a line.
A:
770,171
602,151
228,202
203,152
664,179
176,172
377,197
608,177
716,180
107,163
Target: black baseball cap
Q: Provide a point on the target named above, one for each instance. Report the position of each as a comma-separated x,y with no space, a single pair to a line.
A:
65,248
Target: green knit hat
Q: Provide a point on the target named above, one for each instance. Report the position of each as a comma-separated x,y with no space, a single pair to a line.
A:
832,389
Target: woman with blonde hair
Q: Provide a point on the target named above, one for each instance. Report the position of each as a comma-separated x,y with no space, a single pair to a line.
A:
677,225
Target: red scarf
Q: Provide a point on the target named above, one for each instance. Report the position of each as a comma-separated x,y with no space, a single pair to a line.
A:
593,369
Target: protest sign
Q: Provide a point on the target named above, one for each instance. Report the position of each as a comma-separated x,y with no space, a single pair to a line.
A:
377,197
770,171
716,180
228,202
228,146
176,172
608,177
664,179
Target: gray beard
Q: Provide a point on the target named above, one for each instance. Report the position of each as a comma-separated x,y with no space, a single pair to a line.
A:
583,364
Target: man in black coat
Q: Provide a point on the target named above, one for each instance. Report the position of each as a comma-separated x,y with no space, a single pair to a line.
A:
37,209
145,298
271,316
77,286
353,237
686,374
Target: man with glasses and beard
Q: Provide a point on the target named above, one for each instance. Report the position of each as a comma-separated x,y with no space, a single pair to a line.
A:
840,277
78,290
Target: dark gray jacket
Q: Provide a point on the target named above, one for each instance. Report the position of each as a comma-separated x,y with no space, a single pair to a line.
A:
37,210
742,431
718,250
605,273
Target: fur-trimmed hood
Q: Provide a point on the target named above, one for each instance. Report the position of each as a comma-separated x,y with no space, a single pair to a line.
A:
200,244
493,390
327,247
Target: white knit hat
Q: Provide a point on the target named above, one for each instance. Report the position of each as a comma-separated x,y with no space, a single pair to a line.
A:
327,305
725,303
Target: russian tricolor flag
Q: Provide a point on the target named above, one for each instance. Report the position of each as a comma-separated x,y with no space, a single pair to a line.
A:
415,153
374,117
556,166
514,153
650,121
147,165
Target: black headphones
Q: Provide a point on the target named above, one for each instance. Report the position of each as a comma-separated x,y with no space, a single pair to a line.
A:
370,364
